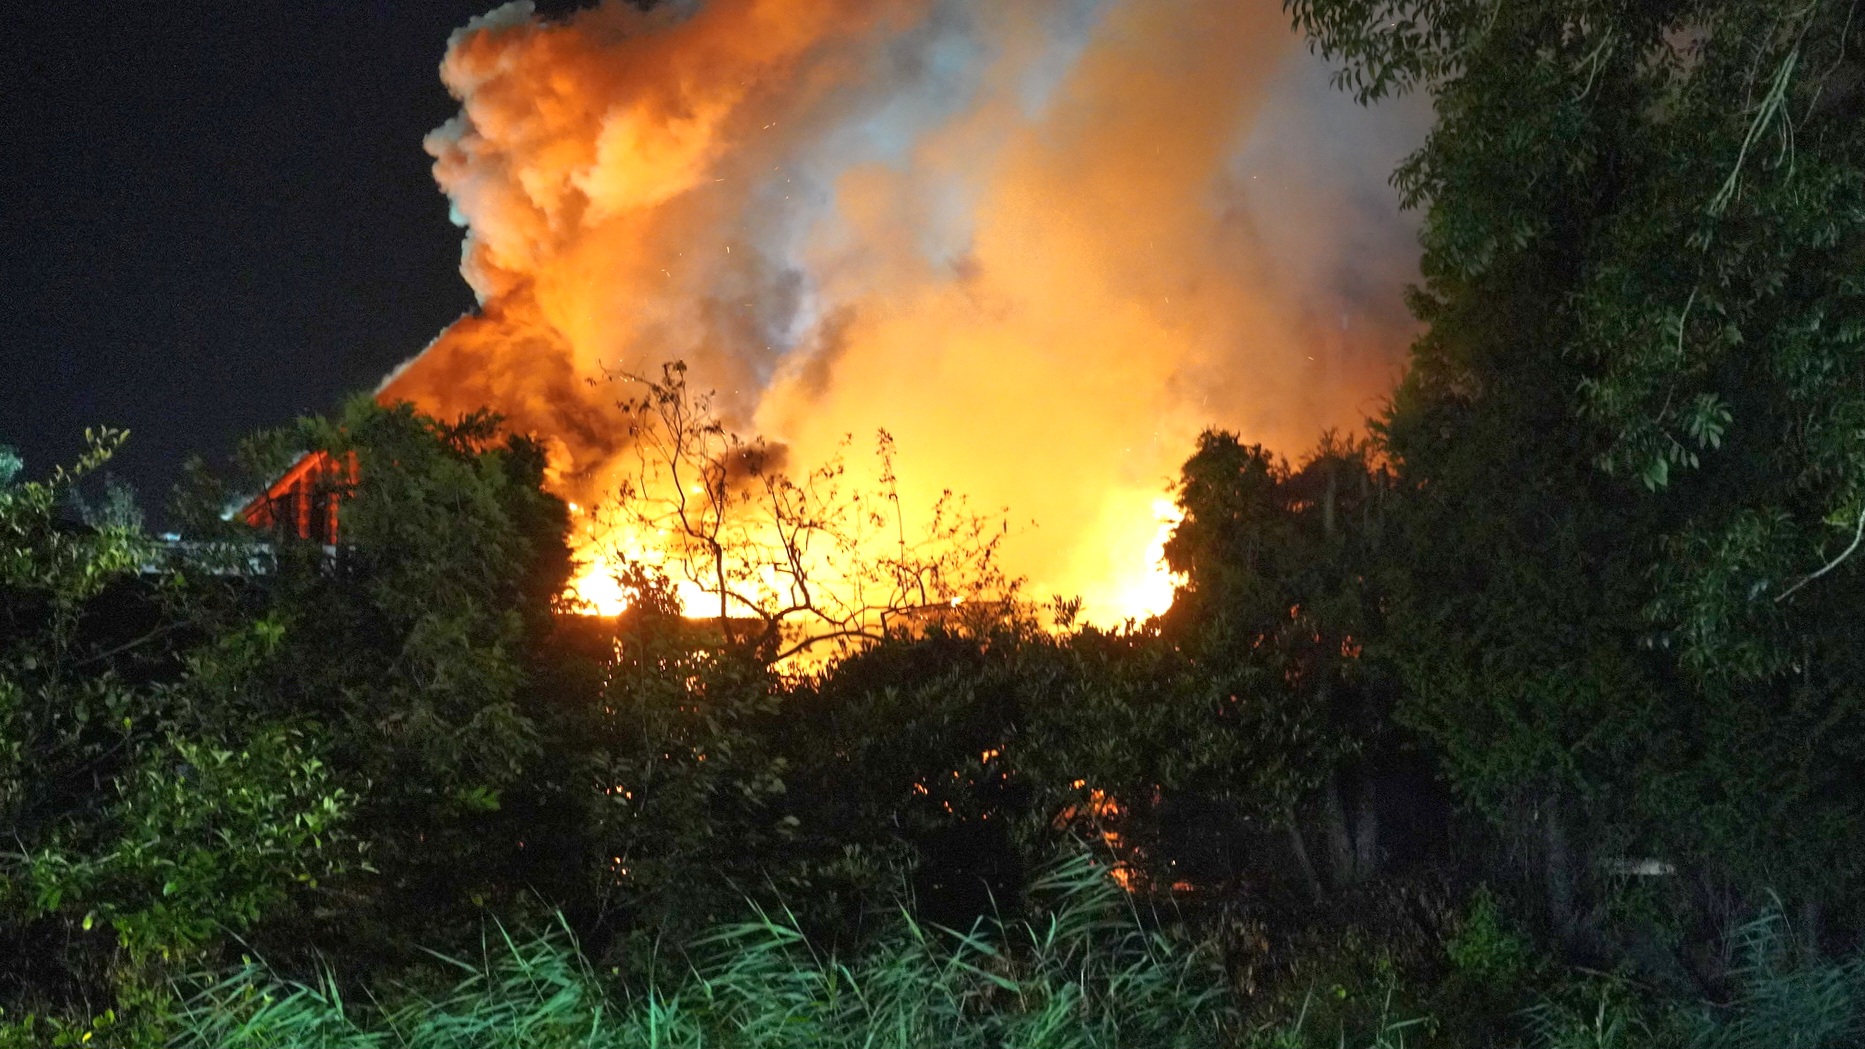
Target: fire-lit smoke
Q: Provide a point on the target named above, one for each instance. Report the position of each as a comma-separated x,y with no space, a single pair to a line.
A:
1044,243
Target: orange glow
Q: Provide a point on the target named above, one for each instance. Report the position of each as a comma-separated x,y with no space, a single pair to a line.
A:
1146,589
595,589
1029,241
1101,813
600,555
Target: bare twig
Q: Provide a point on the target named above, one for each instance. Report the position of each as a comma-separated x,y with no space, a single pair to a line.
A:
1857,535
808,558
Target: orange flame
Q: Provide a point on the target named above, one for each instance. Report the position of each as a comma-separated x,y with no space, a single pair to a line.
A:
1043,243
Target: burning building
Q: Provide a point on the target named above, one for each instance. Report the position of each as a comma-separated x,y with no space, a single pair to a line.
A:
304,501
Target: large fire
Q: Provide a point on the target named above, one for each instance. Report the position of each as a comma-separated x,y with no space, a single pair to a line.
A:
1042,243
602,552
1136,593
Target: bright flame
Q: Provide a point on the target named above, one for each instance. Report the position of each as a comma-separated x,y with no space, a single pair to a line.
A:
1043,243
1152,593
596,590
1138,583
602,551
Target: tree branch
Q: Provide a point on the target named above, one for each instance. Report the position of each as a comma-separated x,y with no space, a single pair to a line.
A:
1830,565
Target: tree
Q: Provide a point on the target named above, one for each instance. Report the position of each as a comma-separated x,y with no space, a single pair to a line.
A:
1701,159
791,564
684,811
153,806
1283,571
719,758
722,778
1640,253
421,644
1517,577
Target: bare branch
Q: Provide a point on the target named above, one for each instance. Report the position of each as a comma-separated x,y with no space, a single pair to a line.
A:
1857,535
816,559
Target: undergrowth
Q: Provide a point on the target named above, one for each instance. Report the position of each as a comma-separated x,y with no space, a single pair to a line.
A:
1086,970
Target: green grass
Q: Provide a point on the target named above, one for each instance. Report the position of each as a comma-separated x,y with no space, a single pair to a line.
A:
1085,972
1778,998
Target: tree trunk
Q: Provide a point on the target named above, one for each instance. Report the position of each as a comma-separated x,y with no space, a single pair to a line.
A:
1300,848
1366,830
725,610
1558,869
1342,870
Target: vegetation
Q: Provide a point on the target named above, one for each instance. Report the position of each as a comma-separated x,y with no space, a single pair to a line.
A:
153,804
794,566
1533,717
1086,972
1630,439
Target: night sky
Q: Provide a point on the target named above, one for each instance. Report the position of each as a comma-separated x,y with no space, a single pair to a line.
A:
215,217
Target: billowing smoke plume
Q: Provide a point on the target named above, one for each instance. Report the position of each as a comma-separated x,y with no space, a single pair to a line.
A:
1044,243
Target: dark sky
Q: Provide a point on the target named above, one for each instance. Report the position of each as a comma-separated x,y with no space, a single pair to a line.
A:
214,216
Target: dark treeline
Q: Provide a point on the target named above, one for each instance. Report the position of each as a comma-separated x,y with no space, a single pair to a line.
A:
1533,716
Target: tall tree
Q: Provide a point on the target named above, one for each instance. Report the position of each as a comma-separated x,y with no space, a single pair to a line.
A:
1640,254
1282,575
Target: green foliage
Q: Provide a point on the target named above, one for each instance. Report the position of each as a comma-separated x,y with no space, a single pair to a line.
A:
1775,995
1283,613
1603,1014
1484,948
419,645
690,769
1696,164
1495,969
1085,972
1783,997
1114,725
1310,1029
719,778
446,550
206,833
1640,261
1340,987
151,809
1082,971
1261,543
1515,575
106,1030
10,465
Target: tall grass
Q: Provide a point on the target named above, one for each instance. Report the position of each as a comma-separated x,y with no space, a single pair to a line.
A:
1780,998
1784,1000
1085,972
